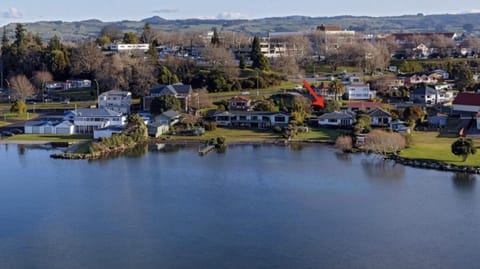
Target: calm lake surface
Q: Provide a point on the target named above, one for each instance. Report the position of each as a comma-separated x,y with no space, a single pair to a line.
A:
252,207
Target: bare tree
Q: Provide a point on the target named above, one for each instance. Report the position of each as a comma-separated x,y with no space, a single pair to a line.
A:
115,71
86,59
201,99
382,142
21,87
344,143
287,65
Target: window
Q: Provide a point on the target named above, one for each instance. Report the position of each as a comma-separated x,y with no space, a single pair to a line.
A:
279,118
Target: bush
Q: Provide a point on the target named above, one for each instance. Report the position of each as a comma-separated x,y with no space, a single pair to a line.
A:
19,107
344,143
277,129
210,126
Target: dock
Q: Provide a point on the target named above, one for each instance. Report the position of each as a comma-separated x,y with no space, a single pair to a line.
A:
206,149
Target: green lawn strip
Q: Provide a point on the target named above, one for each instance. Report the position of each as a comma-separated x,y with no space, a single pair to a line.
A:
233,135
49,138
284,85
429,146
320,134
4,123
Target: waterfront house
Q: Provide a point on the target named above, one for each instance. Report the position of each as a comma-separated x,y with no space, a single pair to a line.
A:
156,129
49,126
379,117
170,117
181,91
252,119
341,119
115,100
87,120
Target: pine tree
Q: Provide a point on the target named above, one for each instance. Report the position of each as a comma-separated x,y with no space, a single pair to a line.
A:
215,38
258,59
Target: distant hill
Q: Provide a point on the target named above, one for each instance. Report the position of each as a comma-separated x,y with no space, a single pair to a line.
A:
74,31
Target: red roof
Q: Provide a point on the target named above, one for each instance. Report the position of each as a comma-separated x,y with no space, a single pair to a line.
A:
467,99
364,105
239,99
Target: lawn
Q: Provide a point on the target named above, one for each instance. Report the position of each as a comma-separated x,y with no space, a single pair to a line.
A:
429,146
246,135
3,123
234,135
321,134
49,138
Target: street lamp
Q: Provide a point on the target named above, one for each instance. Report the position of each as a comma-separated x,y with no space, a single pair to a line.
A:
256,70
96,82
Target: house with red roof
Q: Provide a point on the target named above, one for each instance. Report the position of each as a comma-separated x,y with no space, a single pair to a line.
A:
466,104
239,103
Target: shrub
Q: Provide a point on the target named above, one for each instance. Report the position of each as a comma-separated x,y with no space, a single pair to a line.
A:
344,143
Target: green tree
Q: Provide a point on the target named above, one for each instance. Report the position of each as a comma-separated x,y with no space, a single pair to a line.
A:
19,107
242,63
166,77
130,38
331,105
215,40
164,103
362,124
336,88
103,41
136,128
413,113
463,147
258,59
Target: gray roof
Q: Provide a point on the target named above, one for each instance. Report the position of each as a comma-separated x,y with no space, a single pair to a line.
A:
424,91
249,113
175,89
335,115
171,114
377,112
97,112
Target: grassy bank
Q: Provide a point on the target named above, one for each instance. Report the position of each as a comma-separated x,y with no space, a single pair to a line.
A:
246,135
429,146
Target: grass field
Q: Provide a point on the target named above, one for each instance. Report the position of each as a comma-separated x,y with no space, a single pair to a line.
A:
429,146
320,134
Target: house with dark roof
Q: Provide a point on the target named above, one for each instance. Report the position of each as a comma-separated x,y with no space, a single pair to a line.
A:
169,117
341,119
252,119
181,91
379,117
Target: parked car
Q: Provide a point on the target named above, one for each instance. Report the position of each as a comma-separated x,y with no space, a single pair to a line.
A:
16,131
7,133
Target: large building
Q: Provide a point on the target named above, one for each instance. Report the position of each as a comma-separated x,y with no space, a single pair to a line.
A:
118,101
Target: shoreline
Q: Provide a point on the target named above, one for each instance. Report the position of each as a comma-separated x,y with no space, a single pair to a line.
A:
417,163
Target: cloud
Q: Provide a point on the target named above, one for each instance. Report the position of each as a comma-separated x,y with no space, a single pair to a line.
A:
166,10
231,16
12,13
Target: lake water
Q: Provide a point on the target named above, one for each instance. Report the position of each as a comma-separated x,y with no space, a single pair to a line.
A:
251,207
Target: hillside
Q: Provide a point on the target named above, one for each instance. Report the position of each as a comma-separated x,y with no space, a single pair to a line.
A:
74,31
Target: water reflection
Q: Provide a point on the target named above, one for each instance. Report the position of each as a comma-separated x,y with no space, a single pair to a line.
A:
345,157
464,181
21,149
381,169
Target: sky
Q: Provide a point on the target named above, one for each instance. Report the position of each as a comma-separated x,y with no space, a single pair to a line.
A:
12,11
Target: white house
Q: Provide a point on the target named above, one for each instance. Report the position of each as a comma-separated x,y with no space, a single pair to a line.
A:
129,47
336,119
87,120
118,101
49,126
359,91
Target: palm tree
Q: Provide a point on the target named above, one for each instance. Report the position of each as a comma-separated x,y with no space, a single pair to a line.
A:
463,147
336,88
